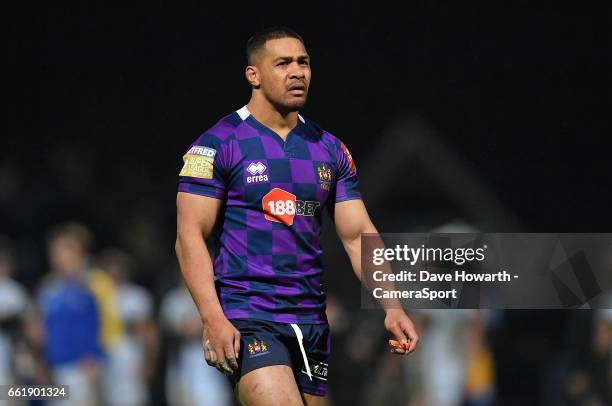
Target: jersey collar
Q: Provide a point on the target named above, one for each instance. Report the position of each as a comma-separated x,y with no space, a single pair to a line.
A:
244,113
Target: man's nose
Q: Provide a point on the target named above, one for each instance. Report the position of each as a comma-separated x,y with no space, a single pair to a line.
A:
296,71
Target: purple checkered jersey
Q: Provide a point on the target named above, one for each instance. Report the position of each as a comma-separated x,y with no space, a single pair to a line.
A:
268,265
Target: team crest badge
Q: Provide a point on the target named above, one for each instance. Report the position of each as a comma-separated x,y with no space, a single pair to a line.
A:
325,176
257,348
324,173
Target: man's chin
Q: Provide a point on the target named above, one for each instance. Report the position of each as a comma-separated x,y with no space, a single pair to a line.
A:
295,104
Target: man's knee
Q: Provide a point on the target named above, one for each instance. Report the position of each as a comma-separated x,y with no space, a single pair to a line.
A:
273,385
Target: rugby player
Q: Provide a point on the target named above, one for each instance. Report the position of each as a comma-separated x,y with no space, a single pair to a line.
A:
263,175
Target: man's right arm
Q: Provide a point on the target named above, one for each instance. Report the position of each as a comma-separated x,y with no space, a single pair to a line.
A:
196,216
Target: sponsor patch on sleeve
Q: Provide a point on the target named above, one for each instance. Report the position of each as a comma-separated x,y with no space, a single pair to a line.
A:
352,166
198,162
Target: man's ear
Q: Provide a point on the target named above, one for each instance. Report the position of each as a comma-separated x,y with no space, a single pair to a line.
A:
252,76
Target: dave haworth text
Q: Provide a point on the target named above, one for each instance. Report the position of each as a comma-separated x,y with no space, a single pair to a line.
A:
425,276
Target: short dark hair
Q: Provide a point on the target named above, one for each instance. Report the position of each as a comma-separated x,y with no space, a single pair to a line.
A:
259,39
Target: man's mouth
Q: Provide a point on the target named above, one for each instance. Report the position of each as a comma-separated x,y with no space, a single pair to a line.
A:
297,89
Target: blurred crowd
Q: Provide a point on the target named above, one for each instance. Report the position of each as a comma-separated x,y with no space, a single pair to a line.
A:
89,326
86,323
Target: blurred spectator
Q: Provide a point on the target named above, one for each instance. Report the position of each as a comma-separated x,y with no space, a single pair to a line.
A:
589,381
454,364
132,357
480,368
442,356
13,302
601,365
189,380
361,359
582,374
69,309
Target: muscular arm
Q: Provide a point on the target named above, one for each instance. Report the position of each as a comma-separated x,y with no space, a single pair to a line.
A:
196,216
352,220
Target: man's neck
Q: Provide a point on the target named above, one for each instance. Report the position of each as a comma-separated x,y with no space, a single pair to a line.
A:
267,114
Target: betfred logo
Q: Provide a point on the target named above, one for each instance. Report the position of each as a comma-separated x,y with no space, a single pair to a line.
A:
281,206
202,151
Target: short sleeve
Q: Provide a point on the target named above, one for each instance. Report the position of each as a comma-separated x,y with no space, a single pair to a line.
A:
347,187
205,168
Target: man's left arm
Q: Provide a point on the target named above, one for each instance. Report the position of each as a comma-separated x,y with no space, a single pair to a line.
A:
352,220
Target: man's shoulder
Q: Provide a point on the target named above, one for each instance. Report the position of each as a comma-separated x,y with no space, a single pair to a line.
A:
225,128
317,131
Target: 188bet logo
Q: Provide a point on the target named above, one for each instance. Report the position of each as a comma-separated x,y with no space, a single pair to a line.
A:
281,206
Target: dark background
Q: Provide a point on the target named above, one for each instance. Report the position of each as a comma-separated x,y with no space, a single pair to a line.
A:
101,103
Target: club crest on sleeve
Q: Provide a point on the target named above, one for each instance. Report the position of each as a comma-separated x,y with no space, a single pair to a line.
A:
257,348
198,162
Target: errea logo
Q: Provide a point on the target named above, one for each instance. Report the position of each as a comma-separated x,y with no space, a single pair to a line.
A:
256,169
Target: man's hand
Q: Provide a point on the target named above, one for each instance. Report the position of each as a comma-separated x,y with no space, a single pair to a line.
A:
399,324
221,343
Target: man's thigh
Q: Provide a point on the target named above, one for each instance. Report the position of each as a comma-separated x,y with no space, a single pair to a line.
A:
269,386
312,400
267,348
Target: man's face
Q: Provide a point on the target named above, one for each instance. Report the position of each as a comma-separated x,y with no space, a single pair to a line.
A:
66,255
284,73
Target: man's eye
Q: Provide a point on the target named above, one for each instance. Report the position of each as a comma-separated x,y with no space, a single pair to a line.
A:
282,63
